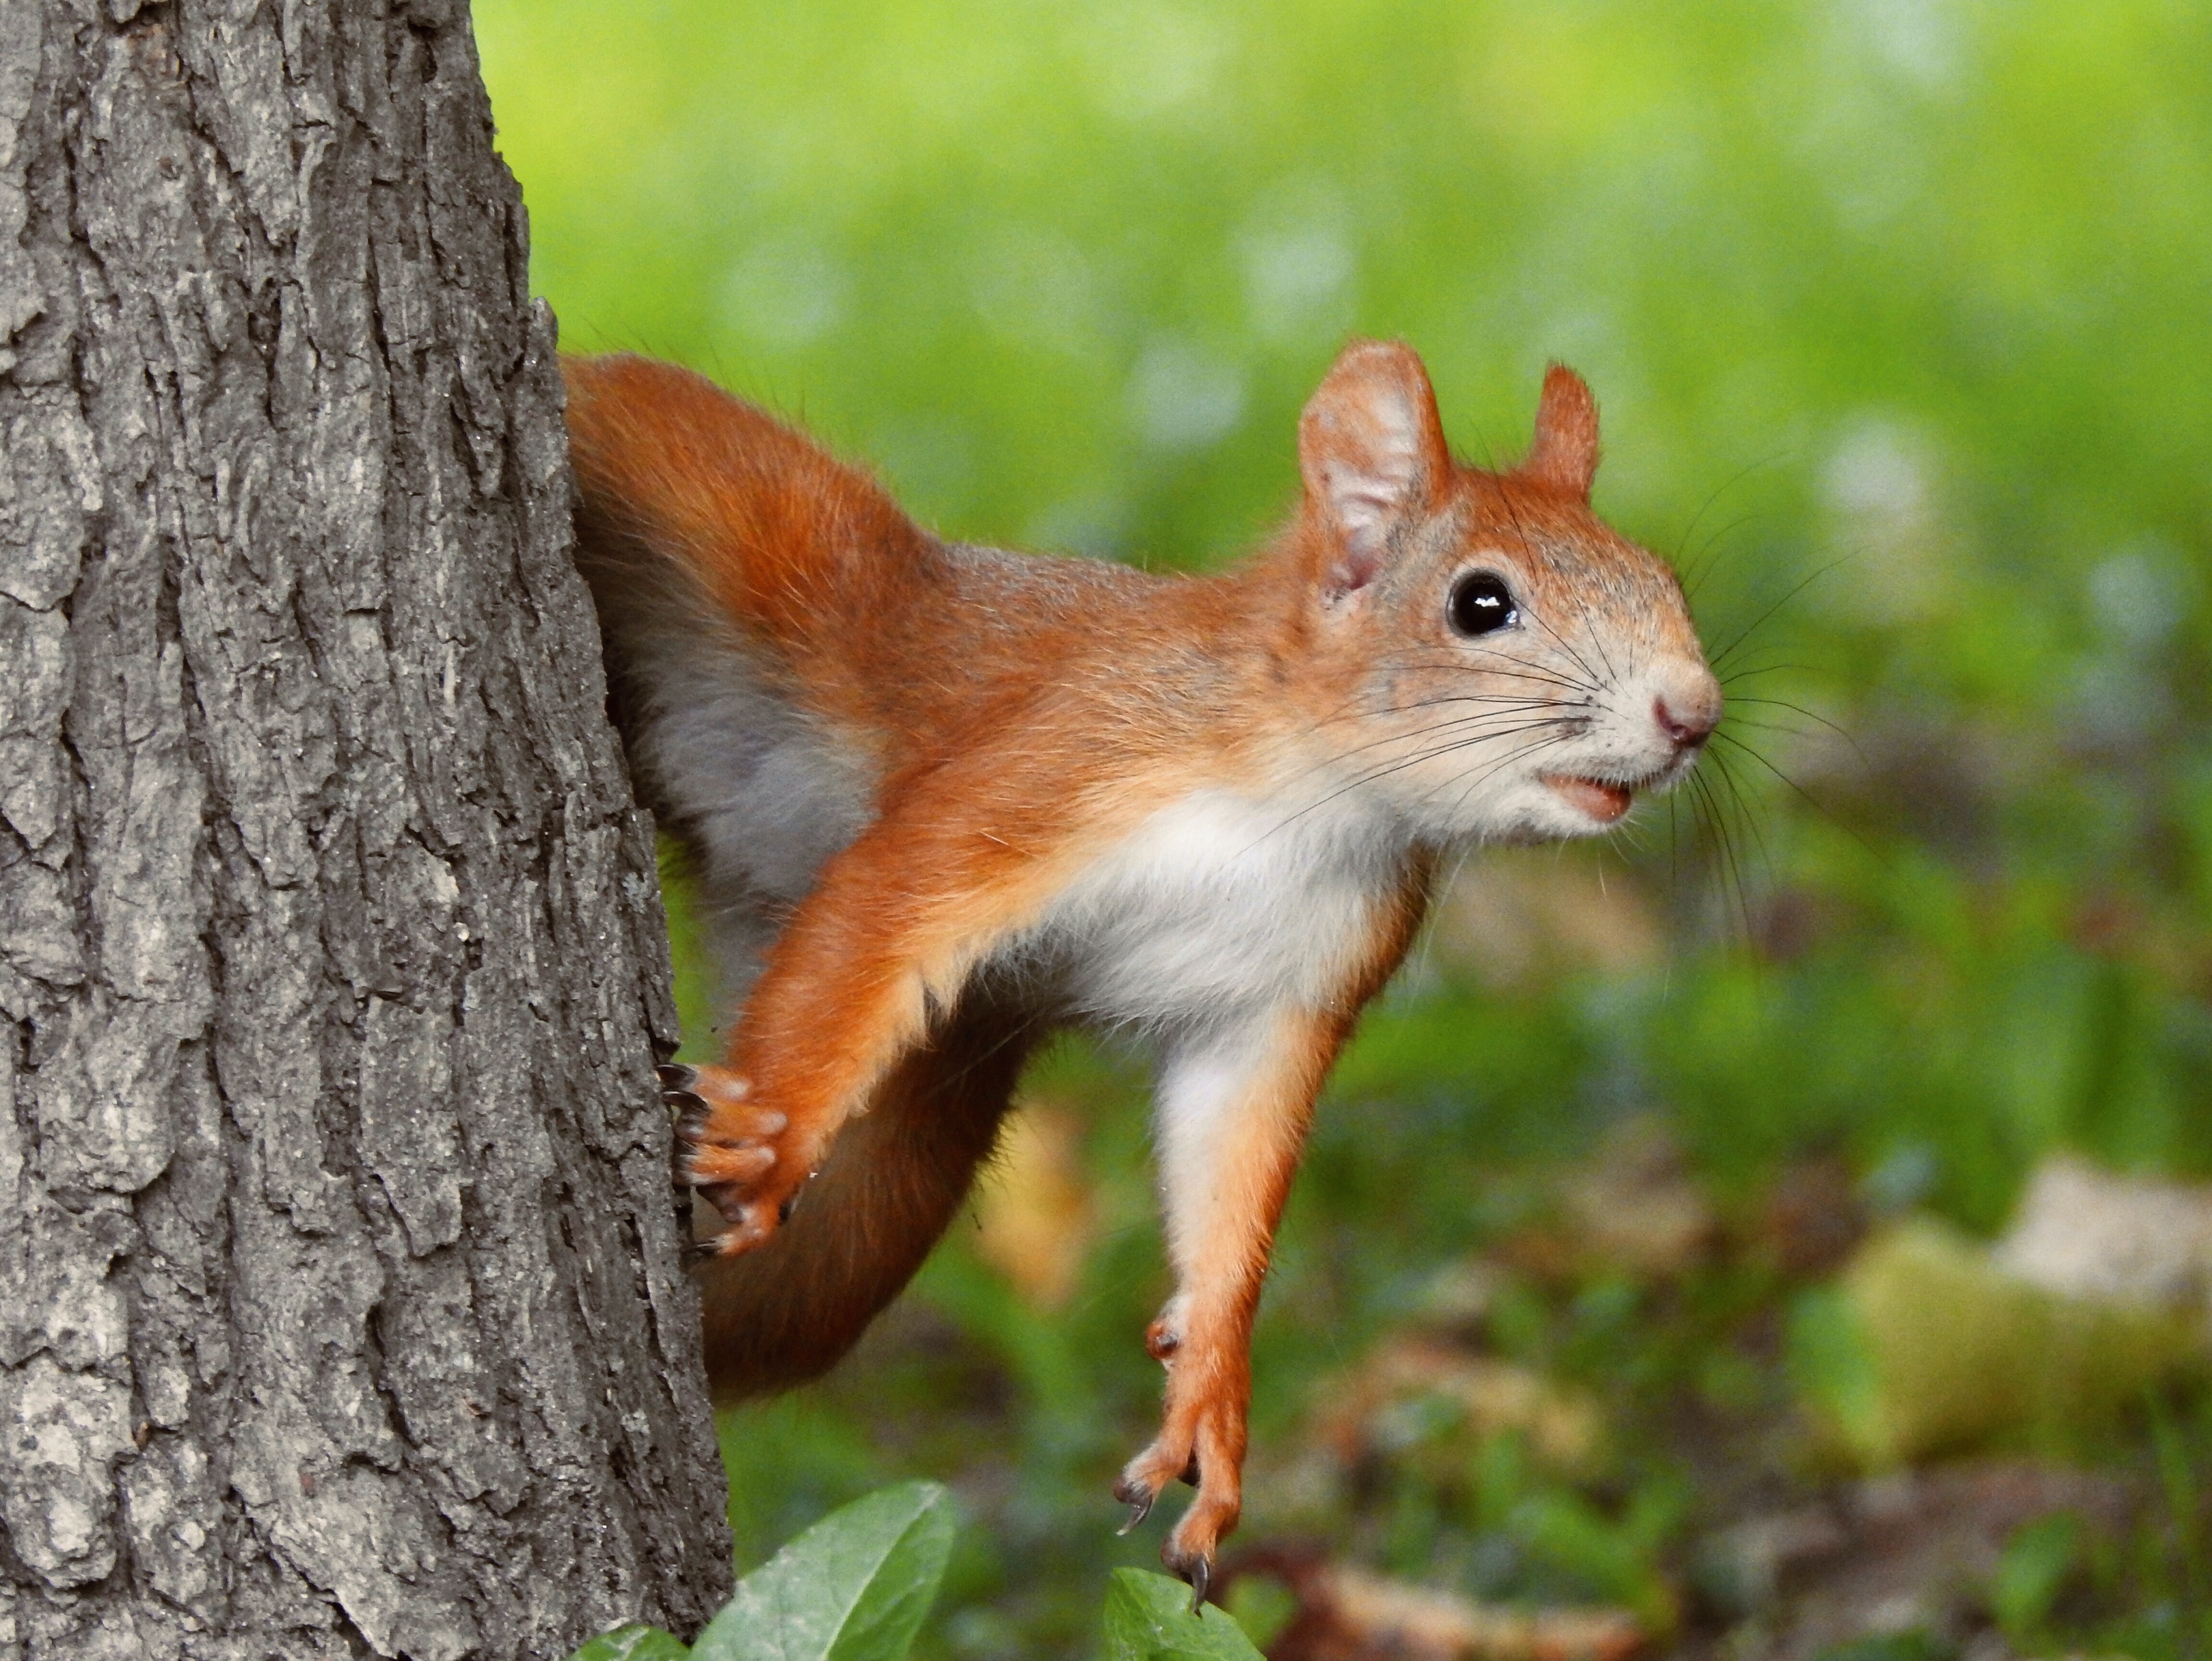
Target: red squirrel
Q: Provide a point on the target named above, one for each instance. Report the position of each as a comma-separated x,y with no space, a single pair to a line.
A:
942,798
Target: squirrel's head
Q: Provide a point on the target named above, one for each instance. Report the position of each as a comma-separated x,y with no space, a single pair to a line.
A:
1500,663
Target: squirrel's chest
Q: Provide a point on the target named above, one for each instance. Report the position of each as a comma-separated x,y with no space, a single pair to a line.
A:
1220,904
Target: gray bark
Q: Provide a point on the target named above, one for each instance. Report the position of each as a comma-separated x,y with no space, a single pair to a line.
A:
339,1304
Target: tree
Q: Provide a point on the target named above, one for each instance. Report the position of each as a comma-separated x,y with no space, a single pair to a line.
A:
339,1298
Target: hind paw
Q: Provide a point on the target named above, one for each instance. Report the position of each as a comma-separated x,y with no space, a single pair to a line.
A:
1202,1444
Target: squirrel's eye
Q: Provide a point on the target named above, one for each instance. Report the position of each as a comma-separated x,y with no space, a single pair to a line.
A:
1479,603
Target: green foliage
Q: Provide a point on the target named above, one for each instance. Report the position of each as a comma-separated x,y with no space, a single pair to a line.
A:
854,1587
634,1644
1832,1359
2038,1561
1896,315
1149,1618
1617,1557
1925,1346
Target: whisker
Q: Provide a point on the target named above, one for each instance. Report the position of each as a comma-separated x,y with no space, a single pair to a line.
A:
1507,704
1569,649
1798,588
1741,673
1809,799
1446,748
1674,870
1520,530
1739,720
1705,569
1705,507
1456,660
1745,815
1491,771
1733,480
1431,731
1809,715
1725,841
1413,761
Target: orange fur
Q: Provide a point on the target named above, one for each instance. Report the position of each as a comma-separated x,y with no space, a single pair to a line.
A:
1207,1350
1002,755
893,1183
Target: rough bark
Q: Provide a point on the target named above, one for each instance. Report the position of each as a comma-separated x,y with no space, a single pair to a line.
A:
339,1306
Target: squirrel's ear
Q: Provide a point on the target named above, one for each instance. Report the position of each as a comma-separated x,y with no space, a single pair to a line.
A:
1372,450
1564,458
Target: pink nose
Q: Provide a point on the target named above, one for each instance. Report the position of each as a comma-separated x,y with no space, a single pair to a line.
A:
1689,729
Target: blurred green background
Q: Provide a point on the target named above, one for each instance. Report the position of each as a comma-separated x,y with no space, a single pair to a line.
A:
1899,312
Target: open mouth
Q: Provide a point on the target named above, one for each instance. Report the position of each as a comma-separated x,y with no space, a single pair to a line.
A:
1602,799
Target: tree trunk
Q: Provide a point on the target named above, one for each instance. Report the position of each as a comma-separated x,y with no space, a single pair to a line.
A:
339,1300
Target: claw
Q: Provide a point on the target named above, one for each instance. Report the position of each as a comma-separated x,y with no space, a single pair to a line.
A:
747,1230
674,1076
1137,1497
695,1253
686,1100
783,1212
1201,1577
721,1196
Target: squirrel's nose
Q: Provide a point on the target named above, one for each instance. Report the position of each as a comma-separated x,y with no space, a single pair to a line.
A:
1688,721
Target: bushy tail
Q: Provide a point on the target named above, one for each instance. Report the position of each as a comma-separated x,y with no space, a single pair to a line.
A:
766,522
708,531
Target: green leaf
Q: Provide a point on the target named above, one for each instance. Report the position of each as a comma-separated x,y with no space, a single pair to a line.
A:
1148,1616
1832,1359
2037,1563
854,1587
633,1644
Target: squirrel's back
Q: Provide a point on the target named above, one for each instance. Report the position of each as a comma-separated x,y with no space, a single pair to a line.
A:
696,505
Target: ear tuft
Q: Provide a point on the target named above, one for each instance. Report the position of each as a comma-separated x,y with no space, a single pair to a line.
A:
1372,452
1564,458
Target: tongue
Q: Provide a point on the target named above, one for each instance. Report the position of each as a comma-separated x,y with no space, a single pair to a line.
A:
1603,802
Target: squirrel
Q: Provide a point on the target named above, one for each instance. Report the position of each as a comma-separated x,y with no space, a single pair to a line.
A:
942,798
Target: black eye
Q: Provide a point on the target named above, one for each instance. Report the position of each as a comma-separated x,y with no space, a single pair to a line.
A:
1480,603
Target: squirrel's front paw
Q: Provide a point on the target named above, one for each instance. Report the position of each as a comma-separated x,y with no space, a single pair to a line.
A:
732,1152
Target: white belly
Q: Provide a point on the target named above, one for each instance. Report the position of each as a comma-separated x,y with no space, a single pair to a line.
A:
1218,908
